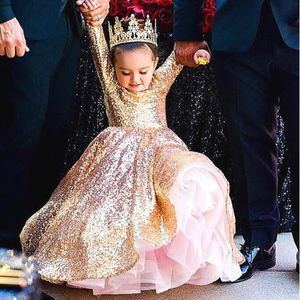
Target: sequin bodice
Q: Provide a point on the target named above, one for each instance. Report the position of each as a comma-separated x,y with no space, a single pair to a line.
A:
126,109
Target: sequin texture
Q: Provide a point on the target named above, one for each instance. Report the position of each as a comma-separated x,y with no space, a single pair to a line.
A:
118,191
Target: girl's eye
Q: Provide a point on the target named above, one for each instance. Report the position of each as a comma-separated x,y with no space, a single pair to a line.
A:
143,72
125,74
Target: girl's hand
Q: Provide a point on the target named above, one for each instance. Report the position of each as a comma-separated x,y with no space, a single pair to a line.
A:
202,57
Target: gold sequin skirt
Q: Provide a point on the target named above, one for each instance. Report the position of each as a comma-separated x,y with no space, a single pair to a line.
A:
120,201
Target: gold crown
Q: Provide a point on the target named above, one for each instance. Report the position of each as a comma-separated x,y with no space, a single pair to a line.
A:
118,35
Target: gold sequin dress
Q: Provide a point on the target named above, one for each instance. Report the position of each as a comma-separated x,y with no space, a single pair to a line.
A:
138,210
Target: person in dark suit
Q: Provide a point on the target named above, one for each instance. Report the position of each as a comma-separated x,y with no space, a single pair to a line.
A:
39,57
256,63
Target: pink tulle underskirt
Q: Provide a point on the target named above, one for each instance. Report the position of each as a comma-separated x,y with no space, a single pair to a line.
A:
199,254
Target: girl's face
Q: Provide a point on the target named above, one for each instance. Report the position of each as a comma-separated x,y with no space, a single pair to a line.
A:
134,69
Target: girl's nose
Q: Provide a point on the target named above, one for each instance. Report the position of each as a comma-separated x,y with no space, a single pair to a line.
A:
135,78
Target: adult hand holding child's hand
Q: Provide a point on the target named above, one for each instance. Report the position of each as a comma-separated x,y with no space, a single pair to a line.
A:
94,11
185,51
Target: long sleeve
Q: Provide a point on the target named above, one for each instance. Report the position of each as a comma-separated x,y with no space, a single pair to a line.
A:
166,74
102,60
187,20
6,11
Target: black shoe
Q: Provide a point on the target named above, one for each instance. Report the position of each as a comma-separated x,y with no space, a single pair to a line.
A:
256,258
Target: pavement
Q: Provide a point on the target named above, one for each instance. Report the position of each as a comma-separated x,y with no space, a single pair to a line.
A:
278,283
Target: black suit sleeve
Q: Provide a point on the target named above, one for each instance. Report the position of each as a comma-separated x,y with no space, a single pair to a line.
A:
187,20
6,11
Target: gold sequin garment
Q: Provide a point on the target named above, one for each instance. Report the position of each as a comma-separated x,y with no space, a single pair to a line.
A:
125,109
118,191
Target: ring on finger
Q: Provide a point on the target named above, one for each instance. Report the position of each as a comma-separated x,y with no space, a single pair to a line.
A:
98,17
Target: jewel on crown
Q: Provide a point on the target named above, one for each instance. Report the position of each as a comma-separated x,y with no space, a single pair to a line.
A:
118,35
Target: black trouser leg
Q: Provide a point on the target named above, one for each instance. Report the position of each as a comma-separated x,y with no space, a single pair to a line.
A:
249,108
49,164
249,99
25,86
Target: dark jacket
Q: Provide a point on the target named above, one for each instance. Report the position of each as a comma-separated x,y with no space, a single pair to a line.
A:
37,17
236,22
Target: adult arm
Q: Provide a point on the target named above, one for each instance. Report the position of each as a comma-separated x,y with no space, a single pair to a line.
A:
188,30
12,39
188,20
6,11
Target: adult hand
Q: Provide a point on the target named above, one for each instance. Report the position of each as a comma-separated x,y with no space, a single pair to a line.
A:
12,39
94,12
185,51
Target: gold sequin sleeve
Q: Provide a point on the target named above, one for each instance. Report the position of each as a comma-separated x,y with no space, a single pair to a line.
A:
167,72
102,60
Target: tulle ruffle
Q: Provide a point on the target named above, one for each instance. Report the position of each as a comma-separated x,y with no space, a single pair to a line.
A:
201,251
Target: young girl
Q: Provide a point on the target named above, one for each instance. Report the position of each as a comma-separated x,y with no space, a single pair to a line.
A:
138,211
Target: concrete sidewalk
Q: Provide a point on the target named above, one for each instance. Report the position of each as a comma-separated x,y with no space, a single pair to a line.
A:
278,283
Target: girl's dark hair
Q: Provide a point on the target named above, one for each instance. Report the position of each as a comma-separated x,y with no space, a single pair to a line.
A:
132,47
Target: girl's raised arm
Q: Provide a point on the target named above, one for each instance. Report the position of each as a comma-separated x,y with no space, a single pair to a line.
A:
102,59
168,71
